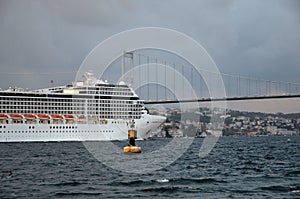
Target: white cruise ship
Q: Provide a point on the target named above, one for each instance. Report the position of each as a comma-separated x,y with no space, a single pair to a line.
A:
86,110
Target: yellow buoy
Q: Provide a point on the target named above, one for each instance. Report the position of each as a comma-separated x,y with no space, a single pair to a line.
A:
132,134
132,149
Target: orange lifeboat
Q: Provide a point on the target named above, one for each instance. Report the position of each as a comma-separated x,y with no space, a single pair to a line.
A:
30,116
3,116
15,116
69,117
43,116
57,117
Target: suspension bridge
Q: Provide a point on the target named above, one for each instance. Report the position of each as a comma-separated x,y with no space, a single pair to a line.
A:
164,77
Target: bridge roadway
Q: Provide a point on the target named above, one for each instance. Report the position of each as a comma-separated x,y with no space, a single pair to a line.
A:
222,99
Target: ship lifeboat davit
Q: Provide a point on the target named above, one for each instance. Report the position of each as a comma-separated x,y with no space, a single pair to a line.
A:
132,149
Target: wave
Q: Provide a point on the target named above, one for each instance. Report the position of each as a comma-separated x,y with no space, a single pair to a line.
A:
163,189
180,181
61,184
197,180
293,173
281,188
77,194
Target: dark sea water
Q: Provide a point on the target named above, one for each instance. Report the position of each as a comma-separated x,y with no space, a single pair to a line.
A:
237,167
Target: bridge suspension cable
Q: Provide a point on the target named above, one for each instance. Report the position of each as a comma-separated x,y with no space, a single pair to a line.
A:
237,86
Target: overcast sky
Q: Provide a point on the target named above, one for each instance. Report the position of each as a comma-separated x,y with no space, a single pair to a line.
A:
251,37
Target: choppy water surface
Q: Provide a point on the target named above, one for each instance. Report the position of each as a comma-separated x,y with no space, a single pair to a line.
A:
243,167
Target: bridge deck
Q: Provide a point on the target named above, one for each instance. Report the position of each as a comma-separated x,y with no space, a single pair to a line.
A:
222,99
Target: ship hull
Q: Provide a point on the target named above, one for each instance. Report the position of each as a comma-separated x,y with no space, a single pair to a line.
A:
113,130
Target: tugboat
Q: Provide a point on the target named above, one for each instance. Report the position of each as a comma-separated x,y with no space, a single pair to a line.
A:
201,135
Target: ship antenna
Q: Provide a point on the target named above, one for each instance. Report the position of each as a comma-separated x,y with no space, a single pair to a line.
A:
132,66
123,64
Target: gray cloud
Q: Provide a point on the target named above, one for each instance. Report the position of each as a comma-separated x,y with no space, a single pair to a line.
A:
268,40
91,12
251,38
